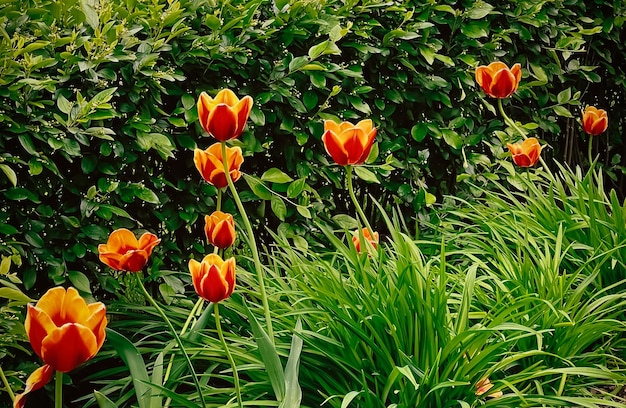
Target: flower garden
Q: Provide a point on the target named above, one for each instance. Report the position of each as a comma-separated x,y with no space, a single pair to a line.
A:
296,203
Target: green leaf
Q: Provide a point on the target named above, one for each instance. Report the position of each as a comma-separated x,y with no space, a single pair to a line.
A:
347,399
419,131
296,187
257,187
278,207
91,15
479,10
144,193
365,174
345,221
304,211
8,171
562,111
452,138
64,105
103,401
317,50
80,281
293,392
133,360
275,175
14,294
5,265
564,96
269,356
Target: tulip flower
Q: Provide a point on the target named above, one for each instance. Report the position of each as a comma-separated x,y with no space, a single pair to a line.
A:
224,116
213,278
219,228
485,385
525,154
497,80
123,252
347,143
209,164
64,331
595,121
367,236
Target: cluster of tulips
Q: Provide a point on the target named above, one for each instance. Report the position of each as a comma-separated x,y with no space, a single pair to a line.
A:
65,331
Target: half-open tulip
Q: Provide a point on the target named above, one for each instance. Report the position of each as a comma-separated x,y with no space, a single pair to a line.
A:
224,116
213,278
485,385
347,143
497,80
219,228
64,331
209,164
526,153
124,252
356,239
595,121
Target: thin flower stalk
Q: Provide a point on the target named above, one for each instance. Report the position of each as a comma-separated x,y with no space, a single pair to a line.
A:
359,210
58,390
220,333
154,304
253,247
7,386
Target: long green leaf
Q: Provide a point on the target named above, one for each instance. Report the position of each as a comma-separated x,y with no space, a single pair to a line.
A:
103,401
293,392
133,360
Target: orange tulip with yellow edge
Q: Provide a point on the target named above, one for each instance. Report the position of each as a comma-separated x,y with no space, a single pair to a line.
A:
485,385
213,278
64,331
595,121
526,153
219,228
356,240
347,143
224,117
497,80
209,164
123,252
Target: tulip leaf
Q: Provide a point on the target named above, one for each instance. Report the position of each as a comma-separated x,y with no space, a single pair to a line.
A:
103,401
293,392
133,360
347,399
269,355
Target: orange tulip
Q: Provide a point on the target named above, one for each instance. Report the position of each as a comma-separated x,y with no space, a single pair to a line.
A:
356,240
595,121
39,378
124,252
220,229
525,154
485,385
347,143
497,80
225,116
209,164
213,278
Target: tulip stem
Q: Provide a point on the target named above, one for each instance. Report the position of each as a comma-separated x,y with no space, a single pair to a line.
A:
58,390
7,386
218,205
176,337
590,152
220,333
255,252
359,210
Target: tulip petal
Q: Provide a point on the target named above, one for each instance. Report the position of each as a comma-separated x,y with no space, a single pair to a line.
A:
222,123
38,325
243,108
134,261
203,111
213,285
503,84
68,346
121,240
35,381
148,241
229,270
483,77
599,126
335,148
227,97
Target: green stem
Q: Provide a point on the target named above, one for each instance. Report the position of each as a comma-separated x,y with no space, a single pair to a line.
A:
218,205
253,247
176,337
58,390
220,333
590,151
359,210
7,386
192,313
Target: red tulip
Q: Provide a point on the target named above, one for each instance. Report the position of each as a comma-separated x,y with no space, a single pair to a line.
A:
220,229
213,279
209,164
347,143
525,154
595,121
123,252
497,80
225,116
64,331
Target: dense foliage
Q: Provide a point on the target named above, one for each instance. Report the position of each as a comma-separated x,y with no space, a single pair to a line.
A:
99,122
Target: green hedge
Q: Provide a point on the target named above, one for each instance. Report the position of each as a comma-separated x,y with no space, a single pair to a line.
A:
98,111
